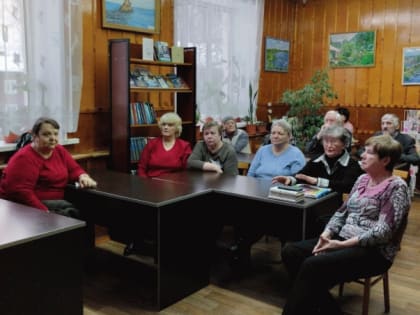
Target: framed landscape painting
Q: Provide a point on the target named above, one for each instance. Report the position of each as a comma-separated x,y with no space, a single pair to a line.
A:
352,49
276,55
411,66
141,16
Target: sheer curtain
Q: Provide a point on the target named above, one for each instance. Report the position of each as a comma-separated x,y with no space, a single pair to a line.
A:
40,63
228,37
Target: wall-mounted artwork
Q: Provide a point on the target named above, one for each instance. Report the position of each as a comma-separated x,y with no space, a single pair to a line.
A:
411,66
352,49
141,16
276,55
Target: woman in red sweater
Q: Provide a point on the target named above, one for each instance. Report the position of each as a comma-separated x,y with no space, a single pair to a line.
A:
167,153
38,173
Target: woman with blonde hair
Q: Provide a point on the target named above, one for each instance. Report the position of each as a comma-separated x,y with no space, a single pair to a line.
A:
167,153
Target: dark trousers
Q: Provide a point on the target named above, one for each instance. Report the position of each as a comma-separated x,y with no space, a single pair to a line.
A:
66,208
62,207
313,276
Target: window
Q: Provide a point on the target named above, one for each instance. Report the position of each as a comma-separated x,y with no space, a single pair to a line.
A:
40,63
227,35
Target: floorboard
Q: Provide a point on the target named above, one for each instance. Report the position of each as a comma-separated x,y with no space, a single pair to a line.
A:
117,286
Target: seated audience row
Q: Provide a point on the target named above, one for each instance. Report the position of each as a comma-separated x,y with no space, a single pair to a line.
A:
334,169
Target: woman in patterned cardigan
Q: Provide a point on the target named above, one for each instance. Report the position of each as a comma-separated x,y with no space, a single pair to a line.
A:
360,240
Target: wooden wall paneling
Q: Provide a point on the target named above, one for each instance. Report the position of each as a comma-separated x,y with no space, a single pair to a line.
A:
88,62
278,23
320,47
353,13
308,39
375,74
367,92
413,92
363,75
388,54
280,31
339,84
403,26
296,58
350,86
166,100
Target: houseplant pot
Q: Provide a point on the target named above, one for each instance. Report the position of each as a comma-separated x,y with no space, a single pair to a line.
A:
251,129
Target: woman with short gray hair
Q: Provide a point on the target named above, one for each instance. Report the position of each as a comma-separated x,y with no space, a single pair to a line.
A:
335,168
279,157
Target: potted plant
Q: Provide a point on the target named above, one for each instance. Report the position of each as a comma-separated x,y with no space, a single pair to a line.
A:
305,106
261,126
251,128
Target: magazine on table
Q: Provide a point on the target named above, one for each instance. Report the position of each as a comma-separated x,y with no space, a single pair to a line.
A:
316,192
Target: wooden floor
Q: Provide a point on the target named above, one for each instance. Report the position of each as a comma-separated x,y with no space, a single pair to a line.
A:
111,292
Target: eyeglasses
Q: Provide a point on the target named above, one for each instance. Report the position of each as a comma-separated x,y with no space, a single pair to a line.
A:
331,141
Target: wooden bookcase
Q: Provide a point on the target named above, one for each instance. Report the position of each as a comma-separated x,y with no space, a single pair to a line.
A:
123,56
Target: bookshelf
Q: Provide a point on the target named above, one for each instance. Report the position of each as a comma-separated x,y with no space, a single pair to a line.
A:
124,56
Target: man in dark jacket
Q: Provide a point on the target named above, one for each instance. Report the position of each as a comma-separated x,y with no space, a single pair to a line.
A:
390,125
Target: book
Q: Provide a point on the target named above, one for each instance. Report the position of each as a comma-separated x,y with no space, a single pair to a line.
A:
162,81
277,192
151,81
162,51
176,82
291,187
315,192
147,49
177,54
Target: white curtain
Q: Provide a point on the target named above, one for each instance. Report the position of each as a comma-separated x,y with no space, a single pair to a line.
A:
40,63
228,37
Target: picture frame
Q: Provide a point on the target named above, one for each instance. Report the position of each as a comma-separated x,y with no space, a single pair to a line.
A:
410,68
356,49
141,16
276,57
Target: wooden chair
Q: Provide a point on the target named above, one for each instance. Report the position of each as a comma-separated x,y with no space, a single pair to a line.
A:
401,173
367,284
243,167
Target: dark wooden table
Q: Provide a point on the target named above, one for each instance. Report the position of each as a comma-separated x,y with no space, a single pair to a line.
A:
41,262
180,211
169,213
248,196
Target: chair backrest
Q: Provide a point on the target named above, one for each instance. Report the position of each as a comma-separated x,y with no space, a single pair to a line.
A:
401,173
243,167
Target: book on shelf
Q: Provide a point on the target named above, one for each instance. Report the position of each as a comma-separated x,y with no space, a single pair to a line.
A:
315,192
151,81
142,113
162,51
137,77
278,192
177,54
148,49
162,81
175,81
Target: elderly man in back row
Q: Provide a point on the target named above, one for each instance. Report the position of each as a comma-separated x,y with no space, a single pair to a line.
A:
390,124
235,136
314,146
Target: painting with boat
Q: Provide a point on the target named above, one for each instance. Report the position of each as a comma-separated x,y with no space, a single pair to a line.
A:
141,16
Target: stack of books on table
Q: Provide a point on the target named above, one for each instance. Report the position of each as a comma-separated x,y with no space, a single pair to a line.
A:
286,193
